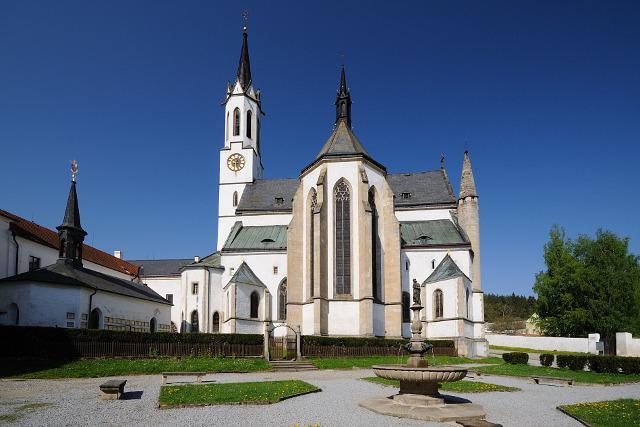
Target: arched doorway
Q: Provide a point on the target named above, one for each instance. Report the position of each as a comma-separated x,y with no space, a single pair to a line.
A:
153,325
215,328
195,327
95,319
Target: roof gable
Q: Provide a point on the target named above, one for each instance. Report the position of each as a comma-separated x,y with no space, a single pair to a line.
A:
245,275
342,141
447,269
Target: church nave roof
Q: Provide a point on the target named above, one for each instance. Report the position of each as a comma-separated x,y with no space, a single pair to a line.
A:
268,195
421,188
256,238
437,232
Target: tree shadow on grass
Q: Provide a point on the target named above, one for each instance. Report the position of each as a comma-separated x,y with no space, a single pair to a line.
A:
16,367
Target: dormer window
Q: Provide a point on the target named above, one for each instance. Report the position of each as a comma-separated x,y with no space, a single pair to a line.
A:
423,237
279,200
406,195
268,240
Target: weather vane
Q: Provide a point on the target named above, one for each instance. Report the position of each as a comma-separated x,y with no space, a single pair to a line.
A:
74,170
245,19
441,161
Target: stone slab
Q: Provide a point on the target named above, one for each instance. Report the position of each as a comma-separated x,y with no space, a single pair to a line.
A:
443,413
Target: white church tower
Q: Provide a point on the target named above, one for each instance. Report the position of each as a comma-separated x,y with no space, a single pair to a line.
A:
240,162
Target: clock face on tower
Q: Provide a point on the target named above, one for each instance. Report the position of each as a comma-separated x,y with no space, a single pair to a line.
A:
235,162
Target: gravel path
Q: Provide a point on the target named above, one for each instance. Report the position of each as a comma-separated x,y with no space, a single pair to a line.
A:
76,402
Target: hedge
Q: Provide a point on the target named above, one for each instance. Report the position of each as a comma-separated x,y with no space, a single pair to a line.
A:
366,342
573,362
600,364
546,359
31,334
516,358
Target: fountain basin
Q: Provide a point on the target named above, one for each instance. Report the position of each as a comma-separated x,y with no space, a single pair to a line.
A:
436,374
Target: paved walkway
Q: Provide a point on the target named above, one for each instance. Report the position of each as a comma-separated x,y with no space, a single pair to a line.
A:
77,402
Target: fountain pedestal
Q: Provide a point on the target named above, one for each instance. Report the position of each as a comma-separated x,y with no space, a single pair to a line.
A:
419,397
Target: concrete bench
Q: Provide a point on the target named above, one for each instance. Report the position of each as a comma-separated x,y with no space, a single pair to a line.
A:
551,380
112,389
198,375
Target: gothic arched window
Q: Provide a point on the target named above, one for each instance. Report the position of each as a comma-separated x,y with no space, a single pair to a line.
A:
249,123
313,203
195,327
282,300
255,302
236,122
215,324
343,238
468,301
438,304
235,199
376,252
406,302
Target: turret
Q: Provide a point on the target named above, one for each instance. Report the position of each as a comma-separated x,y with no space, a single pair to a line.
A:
469,216
70,232
343,101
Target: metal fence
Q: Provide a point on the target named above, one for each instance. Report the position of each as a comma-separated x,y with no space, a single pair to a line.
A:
311,350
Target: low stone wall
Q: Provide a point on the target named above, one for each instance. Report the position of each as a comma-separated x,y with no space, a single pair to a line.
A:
626,345
579,345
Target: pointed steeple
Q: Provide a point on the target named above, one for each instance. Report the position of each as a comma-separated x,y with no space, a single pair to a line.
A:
467,183
70,232
244,67
343,101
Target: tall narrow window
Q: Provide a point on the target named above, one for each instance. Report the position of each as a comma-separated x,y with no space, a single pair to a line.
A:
406,302
215,324
312,246
282,300
468,300
249,124
433,264
438,302
195,327
376,253
236,122
343,238
235,199
255,302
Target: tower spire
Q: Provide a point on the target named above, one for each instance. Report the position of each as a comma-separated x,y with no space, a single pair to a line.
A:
244,67
343,100
70,232
467,183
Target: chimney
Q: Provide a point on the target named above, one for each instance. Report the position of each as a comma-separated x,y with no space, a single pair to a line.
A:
196,259
117,254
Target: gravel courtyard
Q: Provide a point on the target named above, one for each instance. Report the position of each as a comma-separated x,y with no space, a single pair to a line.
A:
77,402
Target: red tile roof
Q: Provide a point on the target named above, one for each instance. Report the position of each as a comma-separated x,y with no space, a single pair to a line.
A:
39,234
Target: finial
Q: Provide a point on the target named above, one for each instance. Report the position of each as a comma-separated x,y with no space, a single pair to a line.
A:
245,19
74,170
441,161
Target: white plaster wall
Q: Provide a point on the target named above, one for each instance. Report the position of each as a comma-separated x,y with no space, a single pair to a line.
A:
540,343
422,214
626,345
164,285
307,319
450,299
344,318
442,329
420,266
7,249
119,306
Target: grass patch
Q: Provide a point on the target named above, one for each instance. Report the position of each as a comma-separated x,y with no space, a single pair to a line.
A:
457,386
232,393
92,368
14,416
610,413
367,362
531,350
577,376
9,418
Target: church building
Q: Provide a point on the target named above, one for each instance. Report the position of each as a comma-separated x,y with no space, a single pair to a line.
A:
336,251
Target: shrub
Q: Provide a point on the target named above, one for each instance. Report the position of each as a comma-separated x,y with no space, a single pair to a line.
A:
614,364
516,358
546,359
571,361
365,342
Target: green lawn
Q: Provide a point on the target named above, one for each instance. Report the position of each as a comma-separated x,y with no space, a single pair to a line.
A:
232,393
531,350
367,362
458,386
578,376
611,413
111,367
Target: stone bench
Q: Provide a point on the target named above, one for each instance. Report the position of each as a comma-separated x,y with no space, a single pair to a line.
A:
112,389
198,375
538,379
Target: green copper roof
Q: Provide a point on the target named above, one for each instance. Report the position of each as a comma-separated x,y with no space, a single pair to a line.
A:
212,261
447,269
268,237
245,275
434,232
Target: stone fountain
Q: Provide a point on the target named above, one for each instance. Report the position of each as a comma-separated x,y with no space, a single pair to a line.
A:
419,397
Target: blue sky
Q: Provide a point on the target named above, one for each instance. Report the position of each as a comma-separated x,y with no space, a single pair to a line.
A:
545,95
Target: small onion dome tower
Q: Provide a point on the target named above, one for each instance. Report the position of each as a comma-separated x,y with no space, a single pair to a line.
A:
70,232
469,216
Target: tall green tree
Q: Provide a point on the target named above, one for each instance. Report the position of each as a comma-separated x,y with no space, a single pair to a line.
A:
590,285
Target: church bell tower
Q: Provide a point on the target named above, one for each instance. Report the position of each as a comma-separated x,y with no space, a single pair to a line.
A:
240,162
